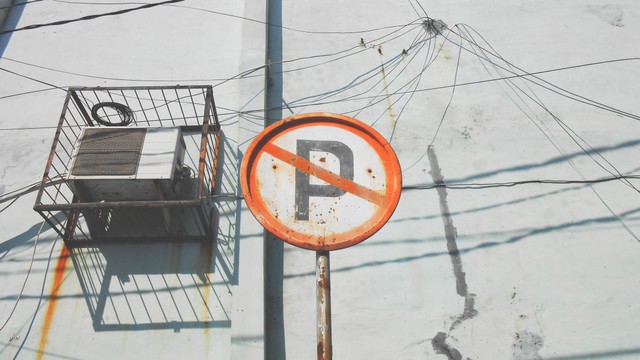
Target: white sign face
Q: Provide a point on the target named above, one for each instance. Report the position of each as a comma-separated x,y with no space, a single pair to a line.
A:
321,181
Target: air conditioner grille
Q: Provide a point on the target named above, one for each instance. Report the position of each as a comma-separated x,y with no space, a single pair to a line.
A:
106,151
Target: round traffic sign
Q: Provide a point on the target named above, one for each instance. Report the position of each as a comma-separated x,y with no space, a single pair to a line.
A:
321,181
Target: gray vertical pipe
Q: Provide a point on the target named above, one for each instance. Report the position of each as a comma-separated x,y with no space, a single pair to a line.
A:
274,247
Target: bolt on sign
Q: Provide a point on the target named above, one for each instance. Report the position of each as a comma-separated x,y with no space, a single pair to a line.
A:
321,181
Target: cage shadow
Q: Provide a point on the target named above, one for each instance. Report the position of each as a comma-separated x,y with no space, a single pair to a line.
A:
153,286
167,285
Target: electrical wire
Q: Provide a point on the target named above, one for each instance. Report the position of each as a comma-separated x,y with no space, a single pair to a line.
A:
379,69
124,112
26,93
246,73
11,203
570,132
453,91
477,82
303,31
17,193
26,278
244,18
360,79
420,41
247,112
241,75
398,91
100,3
88,17
477,186
33,79
563,125
376,42
348,99
430,56
556,89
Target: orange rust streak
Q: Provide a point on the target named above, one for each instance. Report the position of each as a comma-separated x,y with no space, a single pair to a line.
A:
51,307
307,166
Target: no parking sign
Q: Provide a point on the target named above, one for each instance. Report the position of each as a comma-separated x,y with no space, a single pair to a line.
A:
321,181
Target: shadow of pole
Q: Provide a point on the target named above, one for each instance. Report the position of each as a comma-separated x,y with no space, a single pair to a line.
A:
9,21
274,247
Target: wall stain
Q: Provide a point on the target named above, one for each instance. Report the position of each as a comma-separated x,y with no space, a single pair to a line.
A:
462,289
440,346
392,115
207,255
60,268
526,346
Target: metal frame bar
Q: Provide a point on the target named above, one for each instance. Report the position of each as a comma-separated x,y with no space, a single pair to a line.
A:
68,130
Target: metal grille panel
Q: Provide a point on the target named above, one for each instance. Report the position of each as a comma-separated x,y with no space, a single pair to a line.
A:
106,151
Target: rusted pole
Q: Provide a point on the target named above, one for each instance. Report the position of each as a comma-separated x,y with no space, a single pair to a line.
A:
323,290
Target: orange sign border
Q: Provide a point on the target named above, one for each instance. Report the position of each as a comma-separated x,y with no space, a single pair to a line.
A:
315,242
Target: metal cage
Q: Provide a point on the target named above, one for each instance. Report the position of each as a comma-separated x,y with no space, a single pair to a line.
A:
87,222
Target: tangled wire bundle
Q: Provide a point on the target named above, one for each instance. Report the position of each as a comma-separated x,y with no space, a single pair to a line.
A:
124,112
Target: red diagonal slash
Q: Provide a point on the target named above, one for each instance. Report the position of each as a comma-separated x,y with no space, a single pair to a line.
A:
325,175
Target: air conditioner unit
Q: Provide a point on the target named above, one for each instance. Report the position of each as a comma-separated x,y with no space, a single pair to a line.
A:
129,164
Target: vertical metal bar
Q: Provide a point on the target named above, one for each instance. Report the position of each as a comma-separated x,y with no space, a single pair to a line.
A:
203,149
45,176
144,113
216,122
195,111
168,107
126,102
83,111
153,103
216,161
323,305
184,117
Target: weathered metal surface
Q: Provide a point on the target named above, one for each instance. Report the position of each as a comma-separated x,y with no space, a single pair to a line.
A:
323,305
321,181
190,108
118,204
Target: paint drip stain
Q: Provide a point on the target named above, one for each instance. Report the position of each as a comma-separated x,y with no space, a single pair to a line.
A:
58,277
392,115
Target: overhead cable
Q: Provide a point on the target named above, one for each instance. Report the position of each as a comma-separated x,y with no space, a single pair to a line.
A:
88,17
26,278
476,186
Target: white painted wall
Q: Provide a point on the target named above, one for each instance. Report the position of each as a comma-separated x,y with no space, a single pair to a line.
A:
550,269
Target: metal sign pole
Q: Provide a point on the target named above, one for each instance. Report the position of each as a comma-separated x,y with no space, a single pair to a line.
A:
277,183
323,290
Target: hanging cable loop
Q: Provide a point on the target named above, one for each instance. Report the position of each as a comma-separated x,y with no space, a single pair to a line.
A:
124,112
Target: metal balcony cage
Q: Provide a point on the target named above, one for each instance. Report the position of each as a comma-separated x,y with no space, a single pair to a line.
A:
133,164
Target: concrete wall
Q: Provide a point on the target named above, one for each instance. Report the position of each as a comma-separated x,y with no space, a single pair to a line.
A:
488,268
